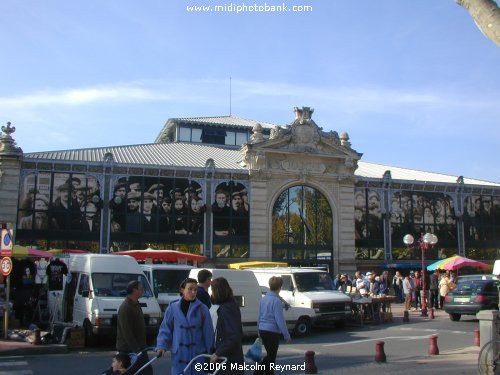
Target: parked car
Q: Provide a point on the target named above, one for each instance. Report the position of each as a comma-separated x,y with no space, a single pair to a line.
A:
472,294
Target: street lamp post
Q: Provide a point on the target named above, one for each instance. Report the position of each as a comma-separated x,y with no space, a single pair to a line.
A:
426,240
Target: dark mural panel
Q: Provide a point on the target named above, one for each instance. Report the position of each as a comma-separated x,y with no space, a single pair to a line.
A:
231,212
367,215
166,206
418,213
57,202
482,218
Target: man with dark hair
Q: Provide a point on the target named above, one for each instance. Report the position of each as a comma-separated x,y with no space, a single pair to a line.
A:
204,281
130,327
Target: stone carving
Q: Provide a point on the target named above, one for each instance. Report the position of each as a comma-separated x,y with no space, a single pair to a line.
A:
275,132
305,133
301,165
486,15
7,143
257,135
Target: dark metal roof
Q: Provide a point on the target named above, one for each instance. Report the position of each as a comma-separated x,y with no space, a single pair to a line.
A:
195,155
186,155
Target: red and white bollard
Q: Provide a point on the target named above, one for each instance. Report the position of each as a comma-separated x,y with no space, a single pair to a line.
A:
310,367
379,352
433,345
477,337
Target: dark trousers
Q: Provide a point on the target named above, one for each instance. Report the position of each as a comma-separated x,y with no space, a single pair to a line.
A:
271,341
399,293
434,298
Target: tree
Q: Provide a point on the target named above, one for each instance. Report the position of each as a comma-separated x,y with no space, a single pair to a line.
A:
486,14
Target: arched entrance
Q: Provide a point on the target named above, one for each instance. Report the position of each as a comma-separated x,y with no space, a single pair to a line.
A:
302,227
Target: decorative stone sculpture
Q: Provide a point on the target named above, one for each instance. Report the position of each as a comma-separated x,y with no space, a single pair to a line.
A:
7,143
486,14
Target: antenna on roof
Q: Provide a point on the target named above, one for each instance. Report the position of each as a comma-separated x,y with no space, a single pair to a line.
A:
229,96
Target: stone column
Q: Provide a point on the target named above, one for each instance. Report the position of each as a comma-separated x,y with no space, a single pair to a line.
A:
11,158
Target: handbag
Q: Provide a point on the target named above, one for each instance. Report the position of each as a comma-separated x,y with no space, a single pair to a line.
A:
255,351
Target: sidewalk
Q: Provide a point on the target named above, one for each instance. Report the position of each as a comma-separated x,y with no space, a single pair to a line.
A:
456,362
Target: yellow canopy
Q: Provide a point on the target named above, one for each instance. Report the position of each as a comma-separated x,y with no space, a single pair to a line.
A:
255,264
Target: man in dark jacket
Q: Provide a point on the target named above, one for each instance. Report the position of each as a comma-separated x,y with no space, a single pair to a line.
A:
204,281
131,328
433,290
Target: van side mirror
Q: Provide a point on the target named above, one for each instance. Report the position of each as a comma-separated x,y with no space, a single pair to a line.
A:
85,294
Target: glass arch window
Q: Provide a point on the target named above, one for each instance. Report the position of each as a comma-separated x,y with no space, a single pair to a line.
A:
302,224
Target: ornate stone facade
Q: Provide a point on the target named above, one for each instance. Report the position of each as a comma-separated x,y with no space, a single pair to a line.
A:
302,154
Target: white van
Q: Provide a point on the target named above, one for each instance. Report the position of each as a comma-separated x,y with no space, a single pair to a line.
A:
96,288
165,280
248,294
309,287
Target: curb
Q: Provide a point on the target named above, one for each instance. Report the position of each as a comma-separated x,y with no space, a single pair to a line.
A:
33,349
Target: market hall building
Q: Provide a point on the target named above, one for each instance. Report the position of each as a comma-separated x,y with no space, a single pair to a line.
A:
234,189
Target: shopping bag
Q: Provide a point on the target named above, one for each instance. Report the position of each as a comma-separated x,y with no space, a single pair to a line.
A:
255,351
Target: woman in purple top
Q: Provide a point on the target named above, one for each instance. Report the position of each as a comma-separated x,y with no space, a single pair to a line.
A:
271,325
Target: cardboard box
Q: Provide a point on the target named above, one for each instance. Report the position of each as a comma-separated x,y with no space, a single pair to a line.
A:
75,338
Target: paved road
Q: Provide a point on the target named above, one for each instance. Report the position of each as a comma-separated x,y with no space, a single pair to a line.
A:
344,351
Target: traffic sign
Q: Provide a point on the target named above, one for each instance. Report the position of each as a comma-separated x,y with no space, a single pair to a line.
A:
6,243
6,266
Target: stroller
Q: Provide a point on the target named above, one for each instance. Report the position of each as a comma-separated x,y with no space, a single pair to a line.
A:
137,365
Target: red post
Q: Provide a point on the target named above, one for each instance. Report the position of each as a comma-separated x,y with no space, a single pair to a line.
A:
379,352
431,313
433,346
310,366
423,246
477,337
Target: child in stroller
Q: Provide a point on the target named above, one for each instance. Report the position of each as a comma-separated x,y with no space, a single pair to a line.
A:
129,364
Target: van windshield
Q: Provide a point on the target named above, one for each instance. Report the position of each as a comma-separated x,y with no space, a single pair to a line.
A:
168,281
115,284
312,282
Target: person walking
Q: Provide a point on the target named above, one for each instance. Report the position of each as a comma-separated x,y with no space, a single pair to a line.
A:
397,284
433,289
131,328
445,285
186,330
271,325
407,289
228,332
204,281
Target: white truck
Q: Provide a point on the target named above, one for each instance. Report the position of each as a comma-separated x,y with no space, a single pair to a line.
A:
312,288
165,280
94,290
248,294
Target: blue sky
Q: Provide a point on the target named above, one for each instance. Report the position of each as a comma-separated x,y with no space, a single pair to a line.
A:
414,83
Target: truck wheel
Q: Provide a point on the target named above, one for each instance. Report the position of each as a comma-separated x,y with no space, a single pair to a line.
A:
303,327
90,338
455,317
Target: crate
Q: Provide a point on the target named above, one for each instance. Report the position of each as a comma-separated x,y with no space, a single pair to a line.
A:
75,338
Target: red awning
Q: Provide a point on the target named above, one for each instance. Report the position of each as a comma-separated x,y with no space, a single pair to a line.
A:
163,255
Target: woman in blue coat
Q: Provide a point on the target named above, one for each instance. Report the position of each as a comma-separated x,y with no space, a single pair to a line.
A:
186,330
229,330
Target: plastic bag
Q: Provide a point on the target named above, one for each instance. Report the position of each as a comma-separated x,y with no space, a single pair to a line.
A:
255,351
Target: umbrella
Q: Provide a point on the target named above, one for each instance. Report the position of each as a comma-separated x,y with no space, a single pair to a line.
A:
456,262
22,252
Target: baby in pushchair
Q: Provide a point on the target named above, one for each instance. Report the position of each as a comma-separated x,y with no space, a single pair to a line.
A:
129,364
